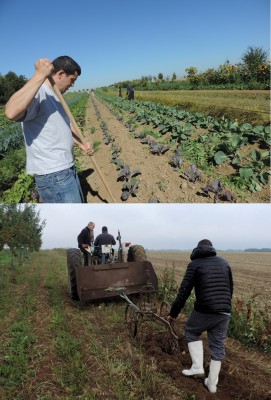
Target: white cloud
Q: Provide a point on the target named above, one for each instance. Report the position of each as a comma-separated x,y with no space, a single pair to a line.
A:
158,226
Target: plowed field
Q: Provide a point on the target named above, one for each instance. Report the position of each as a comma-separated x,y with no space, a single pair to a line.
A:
54,348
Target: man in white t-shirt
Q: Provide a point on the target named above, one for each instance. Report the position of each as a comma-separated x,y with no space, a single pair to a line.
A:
49,134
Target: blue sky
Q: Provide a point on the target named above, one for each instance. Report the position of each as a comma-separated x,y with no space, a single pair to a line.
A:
161,226
117,40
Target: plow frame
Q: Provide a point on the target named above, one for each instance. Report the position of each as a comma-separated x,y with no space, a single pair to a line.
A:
147,309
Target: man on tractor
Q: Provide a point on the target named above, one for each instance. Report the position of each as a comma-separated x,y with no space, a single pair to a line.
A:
104,238
86,237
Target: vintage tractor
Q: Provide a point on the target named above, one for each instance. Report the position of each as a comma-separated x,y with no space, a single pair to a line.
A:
106,271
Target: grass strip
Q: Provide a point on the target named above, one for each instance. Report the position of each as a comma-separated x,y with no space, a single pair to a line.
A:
71,373
244,109
16,352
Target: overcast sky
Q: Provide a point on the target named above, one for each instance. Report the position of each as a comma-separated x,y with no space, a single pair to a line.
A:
161,226
117,40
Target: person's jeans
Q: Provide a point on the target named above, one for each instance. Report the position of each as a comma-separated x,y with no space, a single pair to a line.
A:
60,187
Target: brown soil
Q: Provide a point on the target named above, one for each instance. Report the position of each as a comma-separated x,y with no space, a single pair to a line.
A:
243,373
158,179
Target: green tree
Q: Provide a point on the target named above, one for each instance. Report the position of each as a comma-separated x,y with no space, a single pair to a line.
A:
150,78
174,76
254,57
9,84
20,228
160,75
144,80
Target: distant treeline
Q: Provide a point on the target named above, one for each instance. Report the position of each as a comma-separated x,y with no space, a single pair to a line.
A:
9,84
259,250
218,251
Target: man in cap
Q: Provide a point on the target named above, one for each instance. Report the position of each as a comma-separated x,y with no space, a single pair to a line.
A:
211,277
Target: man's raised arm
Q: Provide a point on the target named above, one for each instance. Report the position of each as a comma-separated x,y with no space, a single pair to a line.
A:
19,102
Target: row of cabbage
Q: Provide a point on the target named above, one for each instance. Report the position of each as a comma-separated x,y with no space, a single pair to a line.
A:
156,149
131,184
221,143
11,134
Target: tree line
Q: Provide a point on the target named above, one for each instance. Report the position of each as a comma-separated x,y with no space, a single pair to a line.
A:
9,84
20,228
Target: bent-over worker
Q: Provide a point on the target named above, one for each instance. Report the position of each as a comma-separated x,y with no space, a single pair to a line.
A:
130,92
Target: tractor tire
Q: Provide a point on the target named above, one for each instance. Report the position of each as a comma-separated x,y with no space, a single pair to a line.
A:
73,261
136,253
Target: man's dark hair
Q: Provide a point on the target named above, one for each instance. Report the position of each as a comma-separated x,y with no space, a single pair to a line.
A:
67,64
104,229
205,242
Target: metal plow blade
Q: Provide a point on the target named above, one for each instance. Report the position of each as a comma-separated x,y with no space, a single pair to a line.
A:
92,281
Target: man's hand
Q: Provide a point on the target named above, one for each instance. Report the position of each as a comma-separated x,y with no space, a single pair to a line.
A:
88,150
19,102
171,319
44,67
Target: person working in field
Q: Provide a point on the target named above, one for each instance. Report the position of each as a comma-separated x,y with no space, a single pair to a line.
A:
49,134
212,278
86,236
119,88
130,92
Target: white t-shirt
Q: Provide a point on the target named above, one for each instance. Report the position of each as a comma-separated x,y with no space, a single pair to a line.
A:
48,136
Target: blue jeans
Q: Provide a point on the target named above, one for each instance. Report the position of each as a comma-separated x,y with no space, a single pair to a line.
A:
60,187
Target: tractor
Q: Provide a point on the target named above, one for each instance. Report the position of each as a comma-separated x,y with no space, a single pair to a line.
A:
105,271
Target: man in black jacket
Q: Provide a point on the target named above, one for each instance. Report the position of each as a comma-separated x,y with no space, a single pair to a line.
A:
86,237
130,92
104,238
212,278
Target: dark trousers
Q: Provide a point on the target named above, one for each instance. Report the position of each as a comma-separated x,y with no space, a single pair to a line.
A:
85,259
216,326
131,95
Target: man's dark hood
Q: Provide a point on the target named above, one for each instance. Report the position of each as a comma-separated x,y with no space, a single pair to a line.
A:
203,251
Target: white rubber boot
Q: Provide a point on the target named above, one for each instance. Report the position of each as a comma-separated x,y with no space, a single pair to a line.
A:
212,379
196,353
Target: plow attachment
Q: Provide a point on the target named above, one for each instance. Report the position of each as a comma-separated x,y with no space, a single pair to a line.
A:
93,281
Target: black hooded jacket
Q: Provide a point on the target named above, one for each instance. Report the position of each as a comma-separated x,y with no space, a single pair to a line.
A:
212,278
104,238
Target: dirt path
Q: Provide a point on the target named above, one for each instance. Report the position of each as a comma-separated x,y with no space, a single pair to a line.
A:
158,179
243,373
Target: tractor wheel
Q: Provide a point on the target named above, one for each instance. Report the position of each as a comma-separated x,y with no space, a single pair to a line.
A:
73,261
136,253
